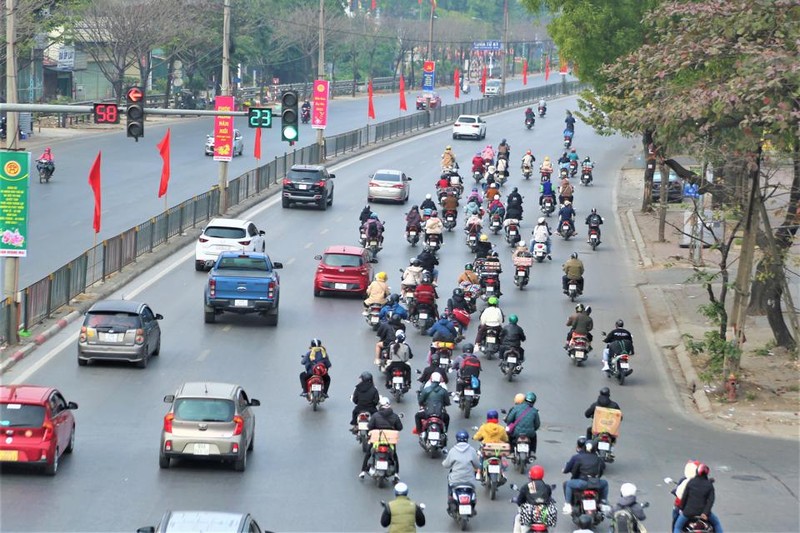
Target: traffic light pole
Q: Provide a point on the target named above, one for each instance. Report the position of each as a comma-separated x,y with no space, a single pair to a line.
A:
11,264
225,89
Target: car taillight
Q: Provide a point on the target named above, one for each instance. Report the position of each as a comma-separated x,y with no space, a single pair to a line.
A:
168,445
398,186
168,418
244,243
475,126
271,290
456,124
235,448
373,184
139,336
202,239
239,421
320,183
212,288
83,334
47,427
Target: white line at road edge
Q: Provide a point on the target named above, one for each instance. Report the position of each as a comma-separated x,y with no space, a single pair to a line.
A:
175,262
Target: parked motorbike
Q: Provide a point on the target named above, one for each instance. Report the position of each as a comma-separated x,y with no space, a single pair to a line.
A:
594,237
490,344
493,472
433,438
539,251
372,317
461,504
449,219
509,364
412,235
512,232
315,386
578,348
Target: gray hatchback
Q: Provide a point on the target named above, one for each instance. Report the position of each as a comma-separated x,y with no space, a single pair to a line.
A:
119,330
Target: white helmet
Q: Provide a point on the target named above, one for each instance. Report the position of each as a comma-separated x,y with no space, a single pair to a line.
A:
384,402
496,197
428,196
627,490
521,244
541,220
436,377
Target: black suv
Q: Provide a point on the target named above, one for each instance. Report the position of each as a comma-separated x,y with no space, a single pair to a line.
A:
308,184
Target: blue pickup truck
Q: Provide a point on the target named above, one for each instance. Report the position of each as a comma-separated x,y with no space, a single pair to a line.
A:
243,282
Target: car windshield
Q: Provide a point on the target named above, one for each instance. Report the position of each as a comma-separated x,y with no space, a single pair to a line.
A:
111,319
657,177
386,177
342,260
467,120
204,410
493,83
221,232
299,175
16,415
243,263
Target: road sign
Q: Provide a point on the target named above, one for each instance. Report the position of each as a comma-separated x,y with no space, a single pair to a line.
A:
428,76
487,45
14,182
135,94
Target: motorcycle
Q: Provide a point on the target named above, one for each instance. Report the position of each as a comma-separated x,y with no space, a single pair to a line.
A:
587,502
496,223
586,175
490,345
529,121
548,206
604,446
572,290
522,269
490,284
401,384
472,241
305,115
509,364
45,169
565,230
433,438
315,386
573,168
594,237
468,398
372,316
471,294
542,110
620,367
381,462
477,175
545,173
527,172
450,217
362,433
512,232
461,504
539,251
423,318
522,453
412,235
407,294
443,352
578,348
696,524
567,141
374,246
434,240
492,472
536,518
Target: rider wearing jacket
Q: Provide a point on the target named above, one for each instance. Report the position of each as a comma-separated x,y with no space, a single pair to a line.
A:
432,401
697,501
565,191
428,261
457,301
573,271
586,465
537,493
603,400
541,233
545,190
467,365
413,218
373,227
383,418
412,276
450,202
618,341
402,515
477,163
491,432
443,330
469,274
365,213
580,323
512,336
378,290
525,420
483,247
427,203
463,461
316,354
594,221
425,294
393,308
491,317
399,354
567,214
365,396
435,226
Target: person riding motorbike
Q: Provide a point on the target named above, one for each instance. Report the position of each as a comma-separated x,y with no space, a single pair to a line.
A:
488,154
365,396
573,156
581,323
573,271
475,195
377,291
542,105
467,365
457,301
564,159
566,214
365,213
428,261
434,367
521,249
541,233
448,158
512,336
565,191
570,122
483,247
402,515
373,227
425,293
546,190
443,330
546,167
413,218
393,308
603,400
433,400
435,226
628,506
527,161
697,501
514,197
383,418
529,115
503,150
618,341
491,432
594,221
587,164
502,167
412,275
473,209
491,264
496,205
463,461
427,203
537,493
386,331
584,466
46,160
442,183
305,110
492,316
450,202
316,354
477,163
473,224
399,355
514,210
468,275
523,420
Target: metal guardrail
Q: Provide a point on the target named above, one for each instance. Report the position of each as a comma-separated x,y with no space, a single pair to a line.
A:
42,298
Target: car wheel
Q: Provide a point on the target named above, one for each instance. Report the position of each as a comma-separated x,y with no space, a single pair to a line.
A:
330,198
163,461
71,446
199,266
317,293
405,200
82,362
285,203
252,441
323,203
157,351
241,464
52,468
144,361
272,317
209,317
455,136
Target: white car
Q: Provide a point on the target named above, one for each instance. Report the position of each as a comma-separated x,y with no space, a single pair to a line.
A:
492,88
227,234
469,126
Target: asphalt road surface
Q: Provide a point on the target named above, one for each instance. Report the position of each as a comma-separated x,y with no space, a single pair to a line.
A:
60,220
302,473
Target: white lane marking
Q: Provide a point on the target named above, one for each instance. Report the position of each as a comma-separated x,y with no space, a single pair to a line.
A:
202,357
289,262
23,377
227,328
308,245
324,231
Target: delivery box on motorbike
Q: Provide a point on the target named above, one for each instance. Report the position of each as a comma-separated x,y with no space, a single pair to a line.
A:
384,436
606,421
523,260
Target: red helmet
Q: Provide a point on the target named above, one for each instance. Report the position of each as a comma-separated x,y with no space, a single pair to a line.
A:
702,469
536,472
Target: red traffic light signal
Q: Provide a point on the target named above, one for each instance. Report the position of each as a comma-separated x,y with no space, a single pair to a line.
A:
135,94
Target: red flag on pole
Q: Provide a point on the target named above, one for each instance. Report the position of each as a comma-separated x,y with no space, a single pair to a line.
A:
163,149
547,68
371,109
524,72
483,80
94,183
374,5
257,147
456,76
403,106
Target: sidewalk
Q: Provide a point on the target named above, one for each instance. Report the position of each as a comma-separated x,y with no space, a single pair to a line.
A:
768,400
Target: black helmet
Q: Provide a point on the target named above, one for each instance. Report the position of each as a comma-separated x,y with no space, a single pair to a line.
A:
594,211
458,291
620,323
366,376
414,207
415,262
394,298
581,442
315,343
395,320
468,348
462,436
574,255
585,521
514,190
605,392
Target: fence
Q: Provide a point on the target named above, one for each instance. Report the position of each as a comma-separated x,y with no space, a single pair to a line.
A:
40,299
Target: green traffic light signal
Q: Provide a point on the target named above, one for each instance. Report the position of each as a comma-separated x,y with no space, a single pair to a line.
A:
290,131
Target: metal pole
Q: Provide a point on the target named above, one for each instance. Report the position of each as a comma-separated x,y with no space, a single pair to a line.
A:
226,91
11,264
505,47
430,33
321,74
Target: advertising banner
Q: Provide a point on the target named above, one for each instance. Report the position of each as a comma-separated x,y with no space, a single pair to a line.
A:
14,182
428,76
319,105
223,130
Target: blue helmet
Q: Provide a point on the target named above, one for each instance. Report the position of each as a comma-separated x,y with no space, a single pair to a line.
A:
492,415
462,436
373,216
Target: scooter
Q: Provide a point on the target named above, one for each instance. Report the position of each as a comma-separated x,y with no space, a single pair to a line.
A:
512,232
542,110
372,316
362,433
539,251
401,384
587,502
461,504
490,344
509,364
604,446
529,122
522,453
449,221
620,367
527,172
412,235
594,237
433,438
305,115
572,290
468,398
586,175
496,223
492,473
522,269
548,206
315,386
578,348
565,230
381,462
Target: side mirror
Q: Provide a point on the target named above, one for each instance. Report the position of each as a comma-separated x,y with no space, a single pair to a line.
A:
503,411
400,270
422,506
317,258
159,316
409,178
72,405
331,176
374,260
277,264
147,529
419,371
169,398
262,232
645,505
401,415
668,480
254,403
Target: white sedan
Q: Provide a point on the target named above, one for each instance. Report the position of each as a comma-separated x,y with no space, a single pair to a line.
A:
469,126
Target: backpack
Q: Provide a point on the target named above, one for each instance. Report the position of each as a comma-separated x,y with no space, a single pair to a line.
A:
372,229
317,354
624,521
471,363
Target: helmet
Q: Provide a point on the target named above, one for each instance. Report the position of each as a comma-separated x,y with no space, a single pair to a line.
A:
589,446
493,300
574,255
491,169
373,216
468,266
415,207
521,244
627,490
530,397
496,197
458,291
513,319
567,202
426,248
428,196
702,469
579,308
519,398
394,298
401,489
581,442
515,189
484,237
426,277
366,376
415,262
594,211
448,147
584,521
528,152
462,436
536,472
436,377
605,392
492,415
468,348
315,343
541,220
434,214
547,158
384,402
493,254
620,323
400,335
573,150
381,276
503,141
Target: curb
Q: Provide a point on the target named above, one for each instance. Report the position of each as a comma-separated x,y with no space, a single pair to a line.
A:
636,233
38,340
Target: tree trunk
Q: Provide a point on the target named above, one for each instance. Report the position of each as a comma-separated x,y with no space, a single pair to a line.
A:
413,80
662,204
168,90
649,170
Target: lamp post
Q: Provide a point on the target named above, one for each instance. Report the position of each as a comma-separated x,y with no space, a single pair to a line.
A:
225,89
505,48
11,264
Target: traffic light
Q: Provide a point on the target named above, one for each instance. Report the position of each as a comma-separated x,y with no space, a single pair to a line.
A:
289,128
135,112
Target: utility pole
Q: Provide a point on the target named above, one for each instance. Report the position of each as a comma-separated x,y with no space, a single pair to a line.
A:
505,48
11,264
321,73
430,33
225,87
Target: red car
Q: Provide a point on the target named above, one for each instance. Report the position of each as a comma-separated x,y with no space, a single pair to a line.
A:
345,269
436,101
38,426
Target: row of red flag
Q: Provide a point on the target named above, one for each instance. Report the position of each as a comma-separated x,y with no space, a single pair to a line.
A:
374,4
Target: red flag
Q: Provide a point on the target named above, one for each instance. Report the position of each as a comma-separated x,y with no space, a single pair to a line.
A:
257,147
524,72
374,5
547,68
94,183
483,80
371,109
403,106
163,149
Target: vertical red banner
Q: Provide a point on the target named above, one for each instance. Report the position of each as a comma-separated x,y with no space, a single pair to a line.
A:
524,72
94,183
403,106
319,105
547,68
257,147
371,107
223,130
163,149
483,80
457,83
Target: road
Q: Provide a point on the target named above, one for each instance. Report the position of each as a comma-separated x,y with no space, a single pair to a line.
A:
60,226
302,474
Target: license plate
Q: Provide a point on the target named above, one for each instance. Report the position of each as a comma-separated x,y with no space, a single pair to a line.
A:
579,354
450,219
589,505
469,392
9,455
573,287
465,510
412,233
397,380
511,359
489,289
363,426
433,435
373,319
521,273
491,340
444,361
382,465
523,447
340,286
302,187
316,387
594,237
240,303
373,243
202,449
605,446
624,365
110,337
423,316
494,469
512,232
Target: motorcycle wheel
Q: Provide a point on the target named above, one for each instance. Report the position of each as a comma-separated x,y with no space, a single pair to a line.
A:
620,376
462,523
467,408
510,374
594,245
381,482
492,488
572,297
397,393
522,462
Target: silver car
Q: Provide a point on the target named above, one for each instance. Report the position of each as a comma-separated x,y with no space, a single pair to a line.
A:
208,421
119,330
392,185
238,143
